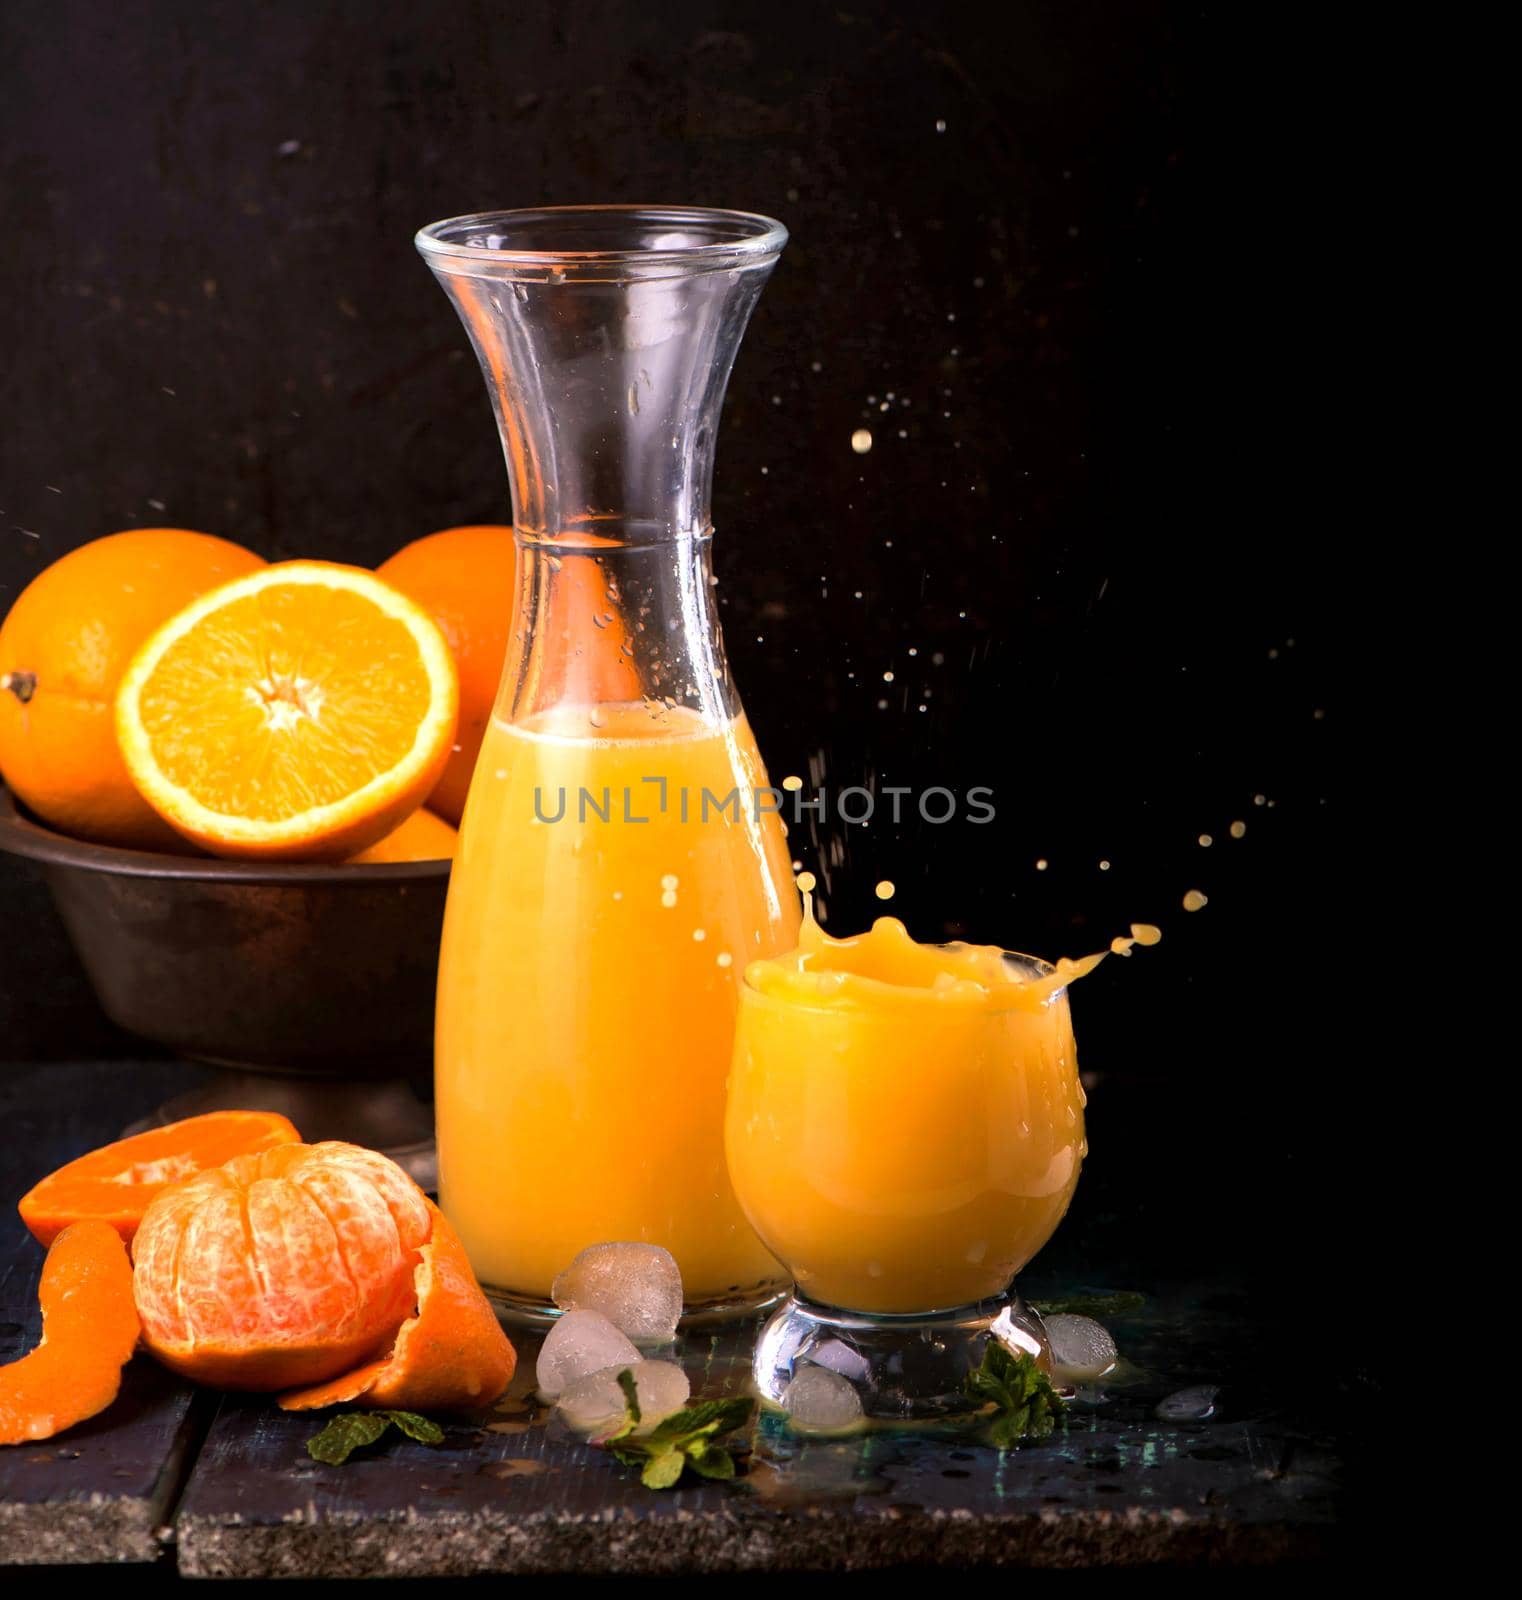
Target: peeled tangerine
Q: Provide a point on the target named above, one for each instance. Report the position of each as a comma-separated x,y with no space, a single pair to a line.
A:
118,1182
282,1268
89,1331
452,1355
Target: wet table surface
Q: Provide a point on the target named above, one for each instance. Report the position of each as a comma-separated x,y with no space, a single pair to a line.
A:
221,1486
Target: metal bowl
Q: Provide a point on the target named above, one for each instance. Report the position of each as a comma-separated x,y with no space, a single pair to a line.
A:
318,970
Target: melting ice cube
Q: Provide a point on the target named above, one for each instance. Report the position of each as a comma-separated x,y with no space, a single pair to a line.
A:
636,1286
818,1400
1189,1405
1081,1349
597,1400
581,1342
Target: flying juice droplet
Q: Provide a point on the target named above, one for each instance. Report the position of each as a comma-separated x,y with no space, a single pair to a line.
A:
884,890
1195,900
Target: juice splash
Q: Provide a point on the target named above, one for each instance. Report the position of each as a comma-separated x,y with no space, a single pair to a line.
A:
588,991
905,1123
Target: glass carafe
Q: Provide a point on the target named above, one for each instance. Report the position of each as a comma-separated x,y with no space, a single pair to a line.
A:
620,858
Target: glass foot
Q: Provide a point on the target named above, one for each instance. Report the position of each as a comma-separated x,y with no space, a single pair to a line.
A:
902,1367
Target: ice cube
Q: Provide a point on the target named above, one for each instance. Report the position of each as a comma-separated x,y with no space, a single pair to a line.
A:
597,1400
1189,1405
1081,1348
820,1401
636,1286
580,1343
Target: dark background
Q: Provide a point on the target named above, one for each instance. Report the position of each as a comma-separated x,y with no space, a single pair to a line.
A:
1093,521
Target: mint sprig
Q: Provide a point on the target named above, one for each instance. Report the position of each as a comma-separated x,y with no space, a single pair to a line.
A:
1120,1303
354,1430
686,1438
1025,1405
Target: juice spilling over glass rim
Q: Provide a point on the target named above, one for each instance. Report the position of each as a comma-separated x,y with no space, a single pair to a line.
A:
905,1131
905,1125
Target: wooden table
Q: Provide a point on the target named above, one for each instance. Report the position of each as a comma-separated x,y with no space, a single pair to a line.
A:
221,1486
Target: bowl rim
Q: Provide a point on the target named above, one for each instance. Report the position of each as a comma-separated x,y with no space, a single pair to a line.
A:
21,835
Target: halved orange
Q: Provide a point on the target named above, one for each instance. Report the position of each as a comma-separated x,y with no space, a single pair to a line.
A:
298,713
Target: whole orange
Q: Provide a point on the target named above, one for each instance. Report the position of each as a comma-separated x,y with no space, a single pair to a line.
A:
63,648
464,578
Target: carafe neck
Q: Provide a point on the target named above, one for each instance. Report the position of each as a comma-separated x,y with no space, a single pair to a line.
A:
614,624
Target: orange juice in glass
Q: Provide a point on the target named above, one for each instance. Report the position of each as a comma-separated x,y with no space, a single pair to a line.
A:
620,857
904,1131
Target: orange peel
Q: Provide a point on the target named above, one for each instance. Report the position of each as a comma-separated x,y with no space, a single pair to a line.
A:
451,1355
89,1331
118,1182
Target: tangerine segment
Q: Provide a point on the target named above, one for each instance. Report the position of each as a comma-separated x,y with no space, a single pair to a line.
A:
116,1183
89,1331
281,1268
301,712
451,1356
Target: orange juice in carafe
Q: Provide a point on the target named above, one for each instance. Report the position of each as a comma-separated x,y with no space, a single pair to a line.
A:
604,914
616,869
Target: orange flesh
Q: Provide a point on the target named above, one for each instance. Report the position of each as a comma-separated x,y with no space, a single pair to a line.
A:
265,676
451,1356
89,1331
117,1183
282,1268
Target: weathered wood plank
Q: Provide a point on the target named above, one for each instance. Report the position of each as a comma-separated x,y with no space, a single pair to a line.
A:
513,1493
104,1491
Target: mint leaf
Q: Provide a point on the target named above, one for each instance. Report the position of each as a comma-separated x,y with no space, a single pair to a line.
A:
711,1461
683,1439
631,1394
708,1418
663,1471
414,1426
1023,1402
350,1431
1099,1306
